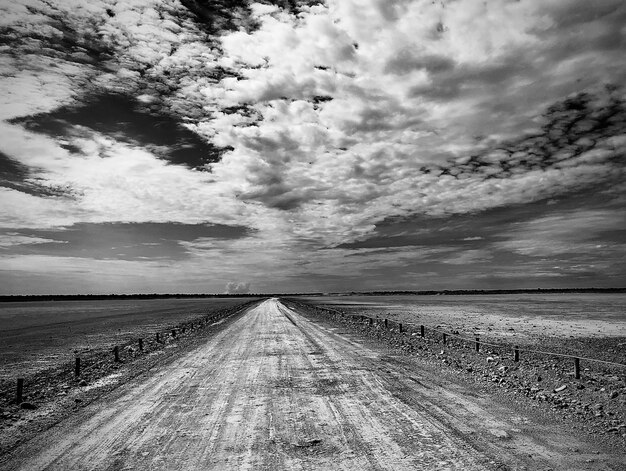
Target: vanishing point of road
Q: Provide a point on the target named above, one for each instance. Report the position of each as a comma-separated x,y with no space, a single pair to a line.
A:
273,390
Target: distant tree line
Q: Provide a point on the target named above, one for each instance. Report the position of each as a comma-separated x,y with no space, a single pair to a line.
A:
485,291
99,297
455,292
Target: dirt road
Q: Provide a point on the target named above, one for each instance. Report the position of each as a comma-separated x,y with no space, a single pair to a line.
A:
274,391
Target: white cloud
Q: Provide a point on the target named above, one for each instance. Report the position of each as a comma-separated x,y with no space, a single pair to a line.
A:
417,88
573,232
241,287
11,239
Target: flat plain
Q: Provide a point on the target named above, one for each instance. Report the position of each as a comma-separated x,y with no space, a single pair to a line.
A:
282,384
523,315
35,336
278,388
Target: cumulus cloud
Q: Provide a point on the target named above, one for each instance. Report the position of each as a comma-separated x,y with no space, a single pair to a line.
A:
241,287
311,123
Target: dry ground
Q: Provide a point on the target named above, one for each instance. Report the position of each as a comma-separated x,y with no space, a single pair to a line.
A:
278,390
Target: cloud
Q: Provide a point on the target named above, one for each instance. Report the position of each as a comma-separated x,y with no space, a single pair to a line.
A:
571,232
12,239
315,124
123,118
237,288
122,241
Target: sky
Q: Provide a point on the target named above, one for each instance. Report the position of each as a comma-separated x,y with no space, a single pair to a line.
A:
195,146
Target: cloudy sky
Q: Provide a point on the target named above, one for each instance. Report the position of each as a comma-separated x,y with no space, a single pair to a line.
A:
301,145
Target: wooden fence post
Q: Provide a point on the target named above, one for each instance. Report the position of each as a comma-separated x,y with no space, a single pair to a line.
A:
77,367
577,368
173,333
20,391
158,338
116,352
422,331
400,327
141,344
445,338
477,344
516,353
371,321
386,323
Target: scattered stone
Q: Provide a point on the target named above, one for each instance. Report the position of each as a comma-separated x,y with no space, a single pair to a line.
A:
560,388
501,434
82,382
490,359
613,395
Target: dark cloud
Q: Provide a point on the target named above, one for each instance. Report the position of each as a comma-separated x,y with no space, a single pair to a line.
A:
574,131
17,176
406,61
275,193
125,119
215,16
449,81
11,170
481,230
58,37
121,241
573,14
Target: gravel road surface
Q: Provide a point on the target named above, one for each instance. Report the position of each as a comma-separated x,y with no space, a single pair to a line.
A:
275,390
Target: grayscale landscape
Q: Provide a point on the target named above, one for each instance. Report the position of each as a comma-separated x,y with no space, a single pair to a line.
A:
312,235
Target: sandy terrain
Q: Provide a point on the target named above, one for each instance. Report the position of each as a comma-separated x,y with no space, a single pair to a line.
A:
275,390
523,316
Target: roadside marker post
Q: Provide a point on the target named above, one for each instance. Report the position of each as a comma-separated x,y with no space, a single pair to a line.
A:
141,344
20,391
445,338
577,368
116,353
478,344
77,367
386,324
371,321
422,331
516,354
400,327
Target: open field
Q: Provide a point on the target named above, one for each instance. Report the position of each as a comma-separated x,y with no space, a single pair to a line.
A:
35,336
520,316
283,388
